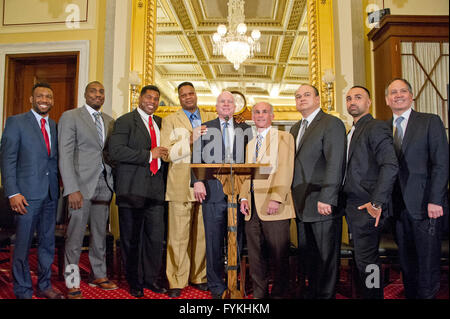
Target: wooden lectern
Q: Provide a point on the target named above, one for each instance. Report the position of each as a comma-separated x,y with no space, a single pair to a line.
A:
231,188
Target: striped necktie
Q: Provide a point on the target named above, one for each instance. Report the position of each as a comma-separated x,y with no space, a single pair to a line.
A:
303,127
259,140
398,134
98,126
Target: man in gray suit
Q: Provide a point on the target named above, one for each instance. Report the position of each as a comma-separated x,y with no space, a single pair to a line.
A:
88,183
318,171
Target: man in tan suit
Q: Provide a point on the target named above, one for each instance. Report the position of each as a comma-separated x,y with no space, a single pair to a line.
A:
270,208
186,262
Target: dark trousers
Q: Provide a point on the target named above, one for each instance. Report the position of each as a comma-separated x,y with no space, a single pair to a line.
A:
141,241
366,241
268,243
319,249
41,217
215,221
419,244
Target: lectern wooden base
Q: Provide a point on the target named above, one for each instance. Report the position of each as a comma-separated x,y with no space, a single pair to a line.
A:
231,187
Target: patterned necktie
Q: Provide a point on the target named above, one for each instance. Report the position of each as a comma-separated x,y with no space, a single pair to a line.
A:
303,127
194,121
398,134
259,140
98,126
154,162
46,139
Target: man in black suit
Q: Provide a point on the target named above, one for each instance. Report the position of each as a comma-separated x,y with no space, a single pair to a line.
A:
29,167
318,172
140,187
420,192
369,178
224,141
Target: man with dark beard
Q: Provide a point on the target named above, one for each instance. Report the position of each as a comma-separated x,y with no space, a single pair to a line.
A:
370,175
29,166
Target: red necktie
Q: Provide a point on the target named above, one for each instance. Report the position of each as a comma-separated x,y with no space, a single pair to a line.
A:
154,162
44,132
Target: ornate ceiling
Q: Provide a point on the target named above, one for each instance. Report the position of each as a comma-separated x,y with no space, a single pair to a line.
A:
184,50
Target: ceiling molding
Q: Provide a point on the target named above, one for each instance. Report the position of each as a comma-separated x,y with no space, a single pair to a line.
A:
188,56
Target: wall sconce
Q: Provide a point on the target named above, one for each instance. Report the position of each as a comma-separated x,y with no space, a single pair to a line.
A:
328,78
135,81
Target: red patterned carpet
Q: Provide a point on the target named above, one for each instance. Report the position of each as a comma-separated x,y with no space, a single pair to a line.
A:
394,290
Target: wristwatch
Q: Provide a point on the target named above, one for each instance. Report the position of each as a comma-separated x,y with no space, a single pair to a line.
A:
375,205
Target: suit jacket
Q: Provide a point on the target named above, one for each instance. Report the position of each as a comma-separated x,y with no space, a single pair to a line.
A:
423,164
129,148
372,164
272,183
81,154
319,166
25,165
175,132
212,142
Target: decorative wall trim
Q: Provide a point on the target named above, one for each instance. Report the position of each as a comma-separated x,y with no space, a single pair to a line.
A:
81,46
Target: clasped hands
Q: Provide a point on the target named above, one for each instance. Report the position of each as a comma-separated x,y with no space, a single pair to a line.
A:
272,207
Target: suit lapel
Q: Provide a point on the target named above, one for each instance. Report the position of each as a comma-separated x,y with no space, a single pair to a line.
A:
141,126
266,143
409,133
184,119
356,134
37,130
54,136
84,113
310,128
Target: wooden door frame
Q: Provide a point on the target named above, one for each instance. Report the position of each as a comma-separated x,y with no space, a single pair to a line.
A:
22,59
81,46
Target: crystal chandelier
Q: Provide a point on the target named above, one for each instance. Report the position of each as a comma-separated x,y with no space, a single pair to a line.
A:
235,45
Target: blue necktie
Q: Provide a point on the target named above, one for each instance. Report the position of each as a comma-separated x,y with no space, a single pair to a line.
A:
194,121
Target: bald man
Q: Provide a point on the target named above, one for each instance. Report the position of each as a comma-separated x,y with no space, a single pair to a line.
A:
266,202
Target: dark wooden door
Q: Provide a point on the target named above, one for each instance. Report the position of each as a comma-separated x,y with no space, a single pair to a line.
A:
60,70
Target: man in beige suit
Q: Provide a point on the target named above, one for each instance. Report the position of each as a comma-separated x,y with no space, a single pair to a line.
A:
186,250
270,208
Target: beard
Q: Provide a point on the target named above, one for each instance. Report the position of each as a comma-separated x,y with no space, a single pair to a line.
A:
39,111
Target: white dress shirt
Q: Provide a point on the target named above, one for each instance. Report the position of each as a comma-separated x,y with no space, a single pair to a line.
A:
144,117
91,112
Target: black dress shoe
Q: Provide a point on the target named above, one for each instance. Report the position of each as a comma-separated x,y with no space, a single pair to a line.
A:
174,293
219,296
156,288
203,287
138,293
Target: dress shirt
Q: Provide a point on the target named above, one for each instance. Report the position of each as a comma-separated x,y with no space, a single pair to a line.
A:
230,132
144,117
91,112
404,123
